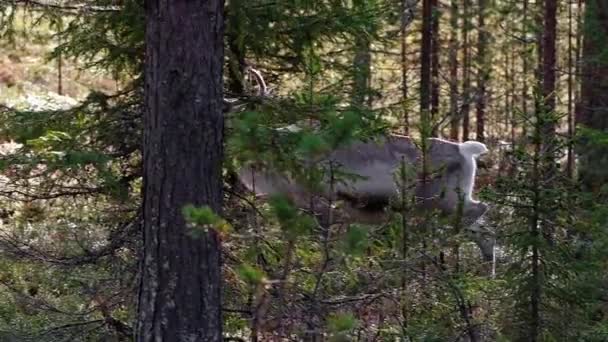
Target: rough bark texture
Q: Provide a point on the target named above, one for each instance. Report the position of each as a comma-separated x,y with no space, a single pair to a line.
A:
593,109
180,294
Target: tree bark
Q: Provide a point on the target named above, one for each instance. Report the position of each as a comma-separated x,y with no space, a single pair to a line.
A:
434,64
549,60
525,68
453,66
482,71
404,67
466,70
361,63
549,55
570,156
425,62
180,290
593,111
236,49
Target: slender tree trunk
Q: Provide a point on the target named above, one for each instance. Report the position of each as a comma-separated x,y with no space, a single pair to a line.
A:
535,286
593,112
404,67
578,54
362,71
435,65
466,70
236,49
549,58
361,63
525,70
482,71
549,61
539,90
570,160
544,163
180,290
513,91
507,75
425,61
60,74
453,65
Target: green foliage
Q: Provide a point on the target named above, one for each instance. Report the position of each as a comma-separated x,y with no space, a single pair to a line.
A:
340,324
250,274
355,241
293,223
205,218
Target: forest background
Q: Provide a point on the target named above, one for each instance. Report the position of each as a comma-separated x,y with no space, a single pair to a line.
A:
527,78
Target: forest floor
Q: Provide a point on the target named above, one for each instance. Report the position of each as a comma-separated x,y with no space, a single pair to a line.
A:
29,79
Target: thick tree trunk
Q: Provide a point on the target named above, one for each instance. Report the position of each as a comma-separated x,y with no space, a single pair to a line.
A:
180,293
593,111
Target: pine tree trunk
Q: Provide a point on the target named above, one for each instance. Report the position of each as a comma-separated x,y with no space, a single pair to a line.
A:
404,67
570,156
593,111
434,65
482,71
425,61
549,57
511,114
507,75
453,65
180,290
362,71
525,69
549,61
236,50
466,70
361,63
544,164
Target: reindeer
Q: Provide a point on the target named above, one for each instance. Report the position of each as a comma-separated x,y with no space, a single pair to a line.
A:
449,181
445,183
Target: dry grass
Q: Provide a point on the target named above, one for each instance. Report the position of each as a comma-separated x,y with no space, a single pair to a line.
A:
26,71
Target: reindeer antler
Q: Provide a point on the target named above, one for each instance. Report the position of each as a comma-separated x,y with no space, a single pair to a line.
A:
259,79
234,104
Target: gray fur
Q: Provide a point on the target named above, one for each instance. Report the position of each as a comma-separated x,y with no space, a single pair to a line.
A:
449,180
